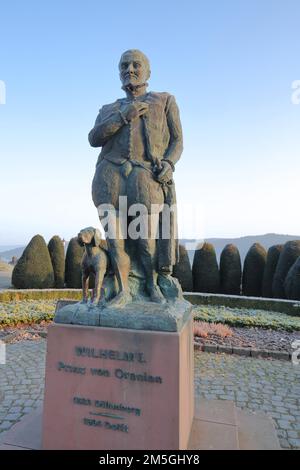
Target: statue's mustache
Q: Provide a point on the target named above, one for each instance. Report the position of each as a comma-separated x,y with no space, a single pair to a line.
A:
130,74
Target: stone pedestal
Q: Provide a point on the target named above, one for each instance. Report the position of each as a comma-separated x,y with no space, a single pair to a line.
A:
113,388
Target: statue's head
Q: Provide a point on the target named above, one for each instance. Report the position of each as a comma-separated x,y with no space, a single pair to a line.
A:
134,68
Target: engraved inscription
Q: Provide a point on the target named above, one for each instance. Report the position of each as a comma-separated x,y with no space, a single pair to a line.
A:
70,368
122,374
83,351
103,413
107,405
105,424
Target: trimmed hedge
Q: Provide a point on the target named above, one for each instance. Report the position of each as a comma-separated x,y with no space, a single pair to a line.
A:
270,268
206,277
230,271
254,266
292,281
34,269
287,258
182,270
73,271
57,255
12,295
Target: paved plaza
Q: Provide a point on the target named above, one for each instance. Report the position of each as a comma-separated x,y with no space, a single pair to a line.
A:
268,386
260,385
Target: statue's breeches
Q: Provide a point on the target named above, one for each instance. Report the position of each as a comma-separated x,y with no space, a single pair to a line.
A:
135,182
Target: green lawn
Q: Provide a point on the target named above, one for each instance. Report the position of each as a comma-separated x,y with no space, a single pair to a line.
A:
35,311
26,311
247,317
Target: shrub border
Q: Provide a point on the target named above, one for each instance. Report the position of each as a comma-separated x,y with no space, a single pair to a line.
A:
290,307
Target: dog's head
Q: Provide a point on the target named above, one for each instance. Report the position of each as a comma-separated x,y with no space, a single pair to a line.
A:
89,236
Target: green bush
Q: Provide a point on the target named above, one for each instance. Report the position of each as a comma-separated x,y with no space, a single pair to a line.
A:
34,269
292,281
73,264
287,258
57,255
206,277
270,268
230,270
182,270
254,266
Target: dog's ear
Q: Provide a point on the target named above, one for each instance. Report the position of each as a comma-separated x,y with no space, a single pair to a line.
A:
79,239
97,237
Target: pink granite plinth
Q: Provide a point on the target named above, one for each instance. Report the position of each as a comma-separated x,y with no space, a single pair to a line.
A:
110,388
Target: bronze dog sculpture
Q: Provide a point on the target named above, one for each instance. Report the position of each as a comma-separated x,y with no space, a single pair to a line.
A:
95,261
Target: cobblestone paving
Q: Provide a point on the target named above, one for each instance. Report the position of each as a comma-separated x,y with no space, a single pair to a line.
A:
255,384
21,381
268,386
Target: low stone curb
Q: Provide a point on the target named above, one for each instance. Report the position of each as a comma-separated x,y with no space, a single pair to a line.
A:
246,352
8,338
211,348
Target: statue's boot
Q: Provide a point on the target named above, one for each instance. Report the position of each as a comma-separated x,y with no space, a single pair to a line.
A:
121,299
156,295
102,303
121,265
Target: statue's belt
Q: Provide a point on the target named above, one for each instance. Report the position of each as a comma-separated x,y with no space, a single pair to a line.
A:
148,166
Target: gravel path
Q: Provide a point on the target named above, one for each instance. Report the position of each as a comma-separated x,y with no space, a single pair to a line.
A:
256,384
5,279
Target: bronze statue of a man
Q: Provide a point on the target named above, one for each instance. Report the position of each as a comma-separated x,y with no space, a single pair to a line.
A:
141,140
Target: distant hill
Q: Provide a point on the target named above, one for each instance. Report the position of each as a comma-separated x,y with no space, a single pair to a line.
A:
8,254
243,243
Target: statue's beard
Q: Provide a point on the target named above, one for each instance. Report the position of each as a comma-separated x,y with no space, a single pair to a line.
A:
133,88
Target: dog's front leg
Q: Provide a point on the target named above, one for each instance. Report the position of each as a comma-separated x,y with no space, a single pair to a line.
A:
98,284
85,288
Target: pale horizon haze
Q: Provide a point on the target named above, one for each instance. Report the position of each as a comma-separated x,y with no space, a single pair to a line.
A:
232,67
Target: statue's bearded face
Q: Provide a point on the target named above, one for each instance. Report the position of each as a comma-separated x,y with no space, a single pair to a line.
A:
134,69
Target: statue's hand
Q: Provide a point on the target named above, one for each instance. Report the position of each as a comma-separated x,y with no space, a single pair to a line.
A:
165,173
135,110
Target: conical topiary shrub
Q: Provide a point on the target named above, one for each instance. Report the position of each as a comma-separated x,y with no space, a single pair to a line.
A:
254,266
73,264
206,276
230,270
57,255
287,258
182,270
292,281
270,268
34,269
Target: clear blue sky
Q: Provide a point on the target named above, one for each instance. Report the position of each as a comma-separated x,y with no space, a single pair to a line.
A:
230,65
